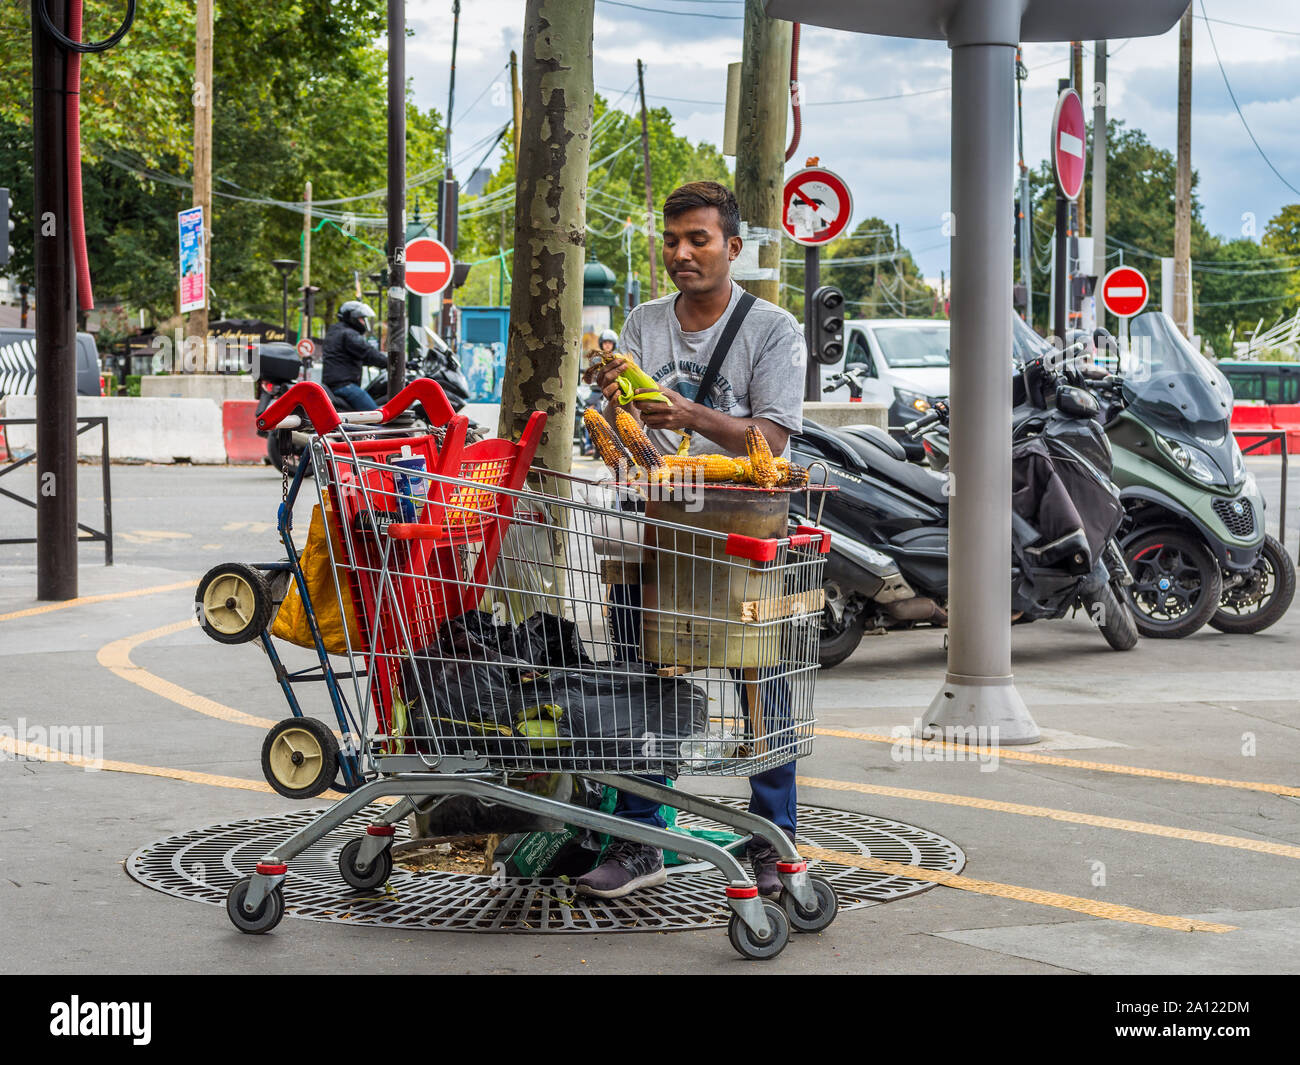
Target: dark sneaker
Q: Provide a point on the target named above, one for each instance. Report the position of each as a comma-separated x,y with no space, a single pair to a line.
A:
627,866
763,859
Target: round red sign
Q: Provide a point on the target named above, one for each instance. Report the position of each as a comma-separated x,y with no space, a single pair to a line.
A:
1124,291
428,266
817,206
1068,142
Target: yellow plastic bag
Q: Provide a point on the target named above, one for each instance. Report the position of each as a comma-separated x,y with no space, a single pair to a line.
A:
291,621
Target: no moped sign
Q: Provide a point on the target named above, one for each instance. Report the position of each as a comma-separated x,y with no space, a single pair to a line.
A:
816,206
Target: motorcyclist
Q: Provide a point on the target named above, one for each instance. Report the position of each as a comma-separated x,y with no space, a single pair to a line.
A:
608,341
346,351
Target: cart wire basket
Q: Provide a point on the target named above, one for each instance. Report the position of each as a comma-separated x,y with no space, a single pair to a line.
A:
512,620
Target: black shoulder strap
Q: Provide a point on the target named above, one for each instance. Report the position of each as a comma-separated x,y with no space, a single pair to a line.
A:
723,345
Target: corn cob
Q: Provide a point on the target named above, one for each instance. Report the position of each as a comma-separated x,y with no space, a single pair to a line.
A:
638,445
760,456
603,439
791,475
710,468
634,383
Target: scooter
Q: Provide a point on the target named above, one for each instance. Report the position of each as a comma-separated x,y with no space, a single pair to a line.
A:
888,565
1193,533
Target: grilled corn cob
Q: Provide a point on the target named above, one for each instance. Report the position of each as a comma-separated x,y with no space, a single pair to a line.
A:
638,445
711,468
603,439
760,457
790,474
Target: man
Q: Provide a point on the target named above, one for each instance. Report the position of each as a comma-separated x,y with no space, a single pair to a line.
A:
346,351
760,381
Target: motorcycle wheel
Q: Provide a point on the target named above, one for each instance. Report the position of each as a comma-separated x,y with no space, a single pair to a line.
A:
1176,583
1262,598
276,456
838,639
1113,617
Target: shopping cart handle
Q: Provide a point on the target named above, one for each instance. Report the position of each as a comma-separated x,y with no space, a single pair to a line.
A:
428,394
405,530
315,404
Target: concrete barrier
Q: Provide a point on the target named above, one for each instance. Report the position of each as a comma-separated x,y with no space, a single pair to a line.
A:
141,430
839,414
213,386
239,432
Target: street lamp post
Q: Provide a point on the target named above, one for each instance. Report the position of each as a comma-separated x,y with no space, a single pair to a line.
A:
979,691
285,266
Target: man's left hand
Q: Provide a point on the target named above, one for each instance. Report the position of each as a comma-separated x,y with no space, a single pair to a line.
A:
677,414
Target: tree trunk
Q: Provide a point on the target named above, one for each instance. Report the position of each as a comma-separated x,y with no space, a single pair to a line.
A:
760,143
542,350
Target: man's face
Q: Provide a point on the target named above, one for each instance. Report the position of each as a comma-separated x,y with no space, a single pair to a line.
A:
696,254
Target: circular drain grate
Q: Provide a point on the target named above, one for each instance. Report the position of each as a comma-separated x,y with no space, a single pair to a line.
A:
203,864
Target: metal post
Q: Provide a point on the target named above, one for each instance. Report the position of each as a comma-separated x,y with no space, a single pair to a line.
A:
649,188
396,280
56,321
979,689
1099,167
812,270
1060,267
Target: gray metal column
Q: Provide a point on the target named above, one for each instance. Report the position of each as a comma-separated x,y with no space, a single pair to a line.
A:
979,689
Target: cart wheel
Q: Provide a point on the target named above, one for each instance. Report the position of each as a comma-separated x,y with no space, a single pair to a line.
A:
300,757
749,946
264,918
233,603
378,873
823,911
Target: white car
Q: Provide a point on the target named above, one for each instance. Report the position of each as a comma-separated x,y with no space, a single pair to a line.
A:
905,362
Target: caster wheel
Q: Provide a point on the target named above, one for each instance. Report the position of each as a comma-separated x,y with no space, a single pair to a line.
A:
233,603
380,869
261,920
300,757
750,946
822,913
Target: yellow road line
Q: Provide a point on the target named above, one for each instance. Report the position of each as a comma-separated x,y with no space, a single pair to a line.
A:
86,600
116,657
1012,754
1110,911
23,749
1092,907
1283,850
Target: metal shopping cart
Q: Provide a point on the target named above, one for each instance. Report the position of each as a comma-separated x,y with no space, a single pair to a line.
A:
512,620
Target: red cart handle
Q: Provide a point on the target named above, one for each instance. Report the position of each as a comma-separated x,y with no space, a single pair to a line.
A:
315,403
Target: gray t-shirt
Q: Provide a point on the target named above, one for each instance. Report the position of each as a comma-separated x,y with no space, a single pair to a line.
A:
762,375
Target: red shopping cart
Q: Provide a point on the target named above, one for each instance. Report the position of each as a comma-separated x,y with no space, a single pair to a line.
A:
514,620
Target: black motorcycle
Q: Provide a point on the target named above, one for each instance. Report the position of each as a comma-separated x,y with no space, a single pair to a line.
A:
280,368
888,566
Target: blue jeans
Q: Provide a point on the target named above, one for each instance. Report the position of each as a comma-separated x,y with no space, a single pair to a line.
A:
356,397
773,792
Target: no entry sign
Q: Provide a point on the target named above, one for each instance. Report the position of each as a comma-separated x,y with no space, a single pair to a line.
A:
817,206
1124,291
428,266
1068,143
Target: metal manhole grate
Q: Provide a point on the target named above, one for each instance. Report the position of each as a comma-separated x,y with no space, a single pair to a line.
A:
201,865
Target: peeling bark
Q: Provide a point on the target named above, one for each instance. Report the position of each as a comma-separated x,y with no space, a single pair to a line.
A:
542,350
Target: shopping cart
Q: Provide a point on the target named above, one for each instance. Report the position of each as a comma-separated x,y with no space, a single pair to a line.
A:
516,621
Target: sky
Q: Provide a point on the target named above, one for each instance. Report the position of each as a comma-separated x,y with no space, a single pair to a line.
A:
894,152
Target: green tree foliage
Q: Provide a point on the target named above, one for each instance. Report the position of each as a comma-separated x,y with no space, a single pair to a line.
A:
1282,239
299,93
878,276
615,199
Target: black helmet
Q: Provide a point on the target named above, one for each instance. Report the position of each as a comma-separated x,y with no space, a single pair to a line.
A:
354,314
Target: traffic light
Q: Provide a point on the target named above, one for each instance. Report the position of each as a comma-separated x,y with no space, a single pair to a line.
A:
826,325
6,226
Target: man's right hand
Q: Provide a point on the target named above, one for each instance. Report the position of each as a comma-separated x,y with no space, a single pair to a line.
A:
607,376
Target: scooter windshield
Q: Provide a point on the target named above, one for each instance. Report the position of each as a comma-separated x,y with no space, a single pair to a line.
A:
1169,381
